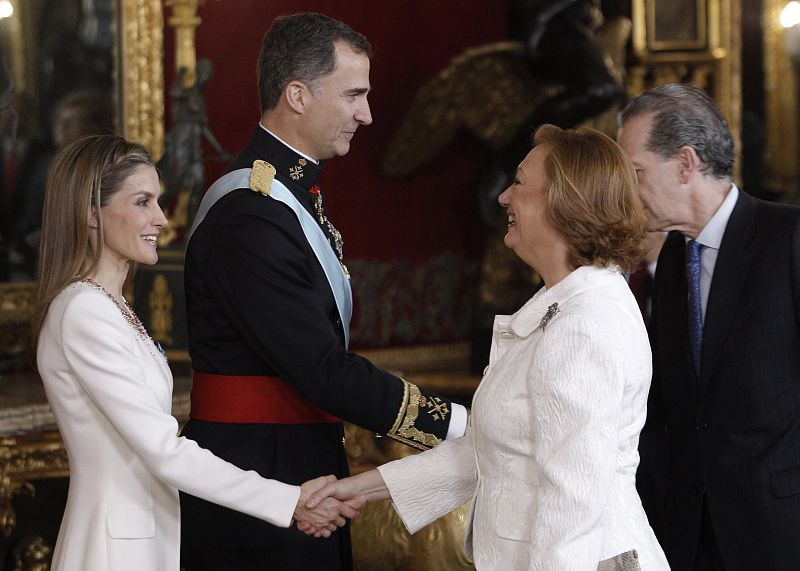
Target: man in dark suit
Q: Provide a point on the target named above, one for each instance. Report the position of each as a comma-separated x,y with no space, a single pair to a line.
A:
725,398
268,302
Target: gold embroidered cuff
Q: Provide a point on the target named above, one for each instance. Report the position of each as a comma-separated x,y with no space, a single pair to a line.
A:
404,429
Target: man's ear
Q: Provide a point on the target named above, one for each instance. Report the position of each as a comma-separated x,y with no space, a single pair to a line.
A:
689,163
296,95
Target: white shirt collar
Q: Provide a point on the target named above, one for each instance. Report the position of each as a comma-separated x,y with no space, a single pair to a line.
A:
711,234
316,162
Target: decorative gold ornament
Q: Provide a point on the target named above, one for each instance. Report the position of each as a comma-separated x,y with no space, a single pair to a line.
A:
24,458
185,20
437,408
781,109
403,429
31,554
261,177
161,304
380,540
16,309
142,77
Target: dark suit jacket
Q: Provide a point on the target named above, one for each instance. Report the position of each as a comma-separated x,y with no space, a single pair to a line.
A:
258,303
733,431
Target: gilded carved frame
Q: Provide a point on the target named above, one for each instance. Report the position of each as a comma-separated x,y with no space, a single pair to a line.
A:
140,103
667,33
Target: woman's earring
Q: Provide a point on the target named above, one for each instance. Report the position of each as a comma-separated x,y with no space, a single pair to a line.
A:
93,226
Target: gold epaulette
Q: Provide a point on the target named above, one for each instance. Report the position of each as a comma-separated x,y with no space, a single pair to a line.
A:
404,430
261,177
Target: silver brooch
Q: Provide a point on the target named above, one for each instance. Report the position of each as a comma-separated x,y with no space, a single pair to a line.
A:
551,313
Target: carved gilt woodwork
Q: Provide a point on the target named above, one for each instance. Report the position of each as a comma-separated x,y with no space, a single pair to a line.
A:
781,104
141,74
24,458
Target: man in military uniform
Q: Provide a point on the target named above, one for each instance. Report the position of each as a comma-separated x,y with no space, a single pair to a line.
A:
269,304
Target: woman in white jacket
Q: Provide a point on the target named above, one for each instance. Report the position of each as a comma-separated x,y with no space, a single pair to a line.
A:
109,385
550,456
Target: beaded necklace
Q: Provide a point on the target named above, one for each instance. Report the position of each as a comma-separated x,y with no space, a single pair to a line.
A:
129,315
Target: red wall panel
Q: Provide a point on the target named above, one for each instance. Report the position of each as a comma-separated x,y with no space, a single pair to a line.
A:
416,220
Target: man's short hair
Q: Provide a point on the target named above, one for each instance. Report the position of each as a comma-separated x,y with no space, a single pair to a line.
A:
684,115
301,47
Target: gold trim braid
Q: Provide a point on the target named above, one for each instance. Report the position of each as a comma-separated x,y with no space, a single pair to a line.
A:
403,429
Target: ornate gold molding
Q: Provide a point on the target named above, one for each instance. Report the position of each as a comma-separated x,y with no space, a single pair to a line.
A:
16,309
24,53
381,542
780,90
728,80
185,21
16,302
24,458
161,304
141,80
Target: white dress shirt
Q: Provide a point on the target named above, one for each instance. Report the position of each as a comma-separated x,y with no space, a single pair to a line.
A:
710,237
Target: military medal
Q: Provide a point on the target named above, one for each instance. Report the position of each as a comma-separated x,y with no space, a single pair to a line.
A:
338,242
296,172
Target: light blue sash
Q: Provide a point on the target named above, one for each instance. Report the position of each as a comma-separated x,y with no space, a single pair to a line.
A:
340,285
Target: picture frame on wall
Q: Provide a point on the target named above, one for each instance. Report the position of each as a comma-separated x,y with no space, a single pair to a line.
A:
673,25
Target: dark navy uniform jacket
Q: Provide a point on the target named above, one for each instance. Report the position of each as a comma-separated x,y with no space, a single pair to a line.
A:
258,303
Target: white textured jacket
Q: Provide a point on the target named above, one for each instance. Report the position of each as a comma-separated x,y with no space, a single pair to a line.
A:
551,453
111,393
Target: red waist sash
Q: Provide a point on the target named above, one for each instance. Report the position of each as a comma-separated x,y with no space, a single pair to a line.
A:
251,400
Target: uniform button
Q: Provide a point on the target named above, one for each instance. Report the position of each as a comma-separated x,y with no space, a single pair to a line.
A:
699,489
701,427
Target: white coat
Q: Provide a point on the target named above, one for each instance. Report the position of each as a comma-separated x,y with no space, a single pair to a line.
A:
550,456
111,393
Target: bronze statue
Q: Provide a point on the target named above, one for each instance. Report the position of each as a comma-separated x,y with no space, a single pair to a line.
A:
554,70
182,163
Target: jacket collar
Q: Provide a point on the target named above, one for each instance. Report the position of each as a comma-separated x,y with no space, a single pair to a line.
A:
530,316
290,166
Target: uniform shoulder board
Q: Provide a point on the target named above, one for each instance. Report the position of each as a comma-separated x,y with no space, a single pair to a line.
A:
261,177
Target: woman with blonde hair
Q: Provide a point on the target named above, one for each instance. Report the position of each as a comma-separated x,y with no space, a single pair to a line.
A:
109,385
550,456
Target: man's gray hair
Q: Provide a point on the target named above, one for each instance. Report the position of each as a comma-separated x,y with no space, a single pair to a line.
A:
684,115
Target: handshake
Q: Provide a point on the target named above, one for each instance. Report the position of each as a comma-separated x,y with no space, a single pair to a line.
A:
325,503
